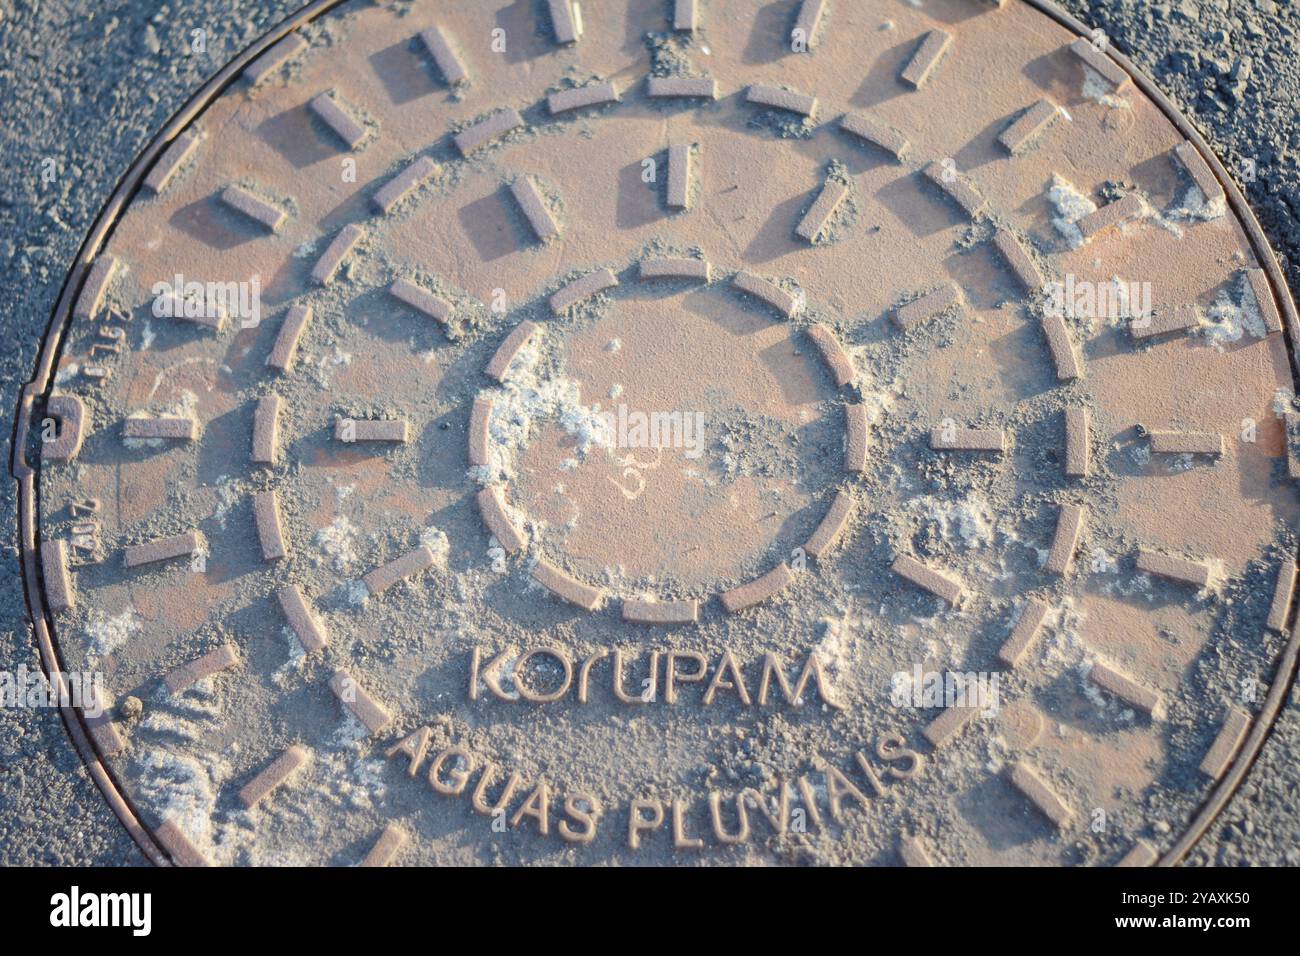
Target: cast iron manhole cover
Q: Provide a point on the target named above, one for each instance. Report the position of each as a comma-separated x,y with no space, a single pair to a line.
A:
669,432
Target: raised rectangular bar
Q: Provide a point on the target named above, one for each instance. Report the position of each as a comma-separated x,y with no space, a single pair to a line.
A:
302,619
943,438
942,586
1059,343
534,208
584,288
756,591
927,306
486,130
1069,526
1140,854
439,45
59,595
408,565
285,349
675,269
1023,634
492,506
1164,320
213,662
421,299
276,774
183,429
948,724
957,188
767,291
330,112
358,702
1180,570
808,22
387,847
1099,62
1187,443
1126,689
98,279
254,207
1257,280
510,348
266,430
1226,743
480,436
876,133
566,21
328,264
404,183
172,159
593,94
1039,794
1078,442
928,53
270,532
1111,216
832,353
565,587
370,429
686,14
819,215
778,99
679,176
1194,164
856,438
1028,126
832,525
704,87
178,845
661,612
163,549
1283,593
276,56
1018,260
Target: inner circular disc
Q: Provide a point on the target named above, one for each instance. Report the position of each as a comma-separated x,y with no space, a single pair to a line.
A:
694,468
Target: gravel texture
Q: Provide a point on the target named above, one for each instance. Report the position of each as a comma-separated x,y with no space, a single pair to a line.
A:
83,85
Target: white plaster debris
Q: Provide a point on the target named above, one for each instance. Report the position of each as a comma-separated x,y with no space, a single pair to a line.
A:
1071,205
292,666
106,634
436,541
969,523
1233,313
1192,205
1098,89
337,542
527,398
182,786
356,593
833,649
997,751
229,493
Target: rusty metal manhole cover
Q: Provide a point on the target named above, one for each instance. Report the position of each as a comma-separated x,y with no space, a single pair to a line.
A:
665,432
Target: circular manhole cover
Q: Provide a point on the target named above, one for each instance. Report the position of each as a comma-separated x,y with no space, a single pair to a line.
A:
684,432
